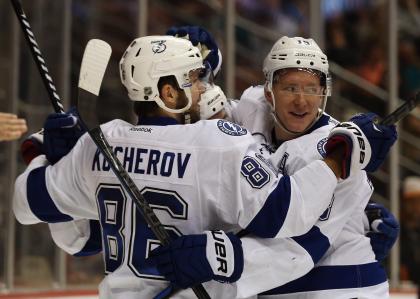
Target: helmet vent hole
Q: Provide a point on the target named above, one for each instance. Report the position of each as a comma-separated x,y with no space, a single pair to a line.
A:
298,61
312,63
138,52
133,43
146,98
125,54
132,70
279,56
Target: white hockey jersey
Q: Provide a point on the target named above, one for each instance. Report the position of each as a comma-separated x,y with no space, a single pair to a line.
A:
345,265
209,175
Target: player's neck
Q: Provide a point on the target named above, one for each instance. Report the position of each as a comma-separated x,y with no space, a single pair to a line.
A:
163,113
283,135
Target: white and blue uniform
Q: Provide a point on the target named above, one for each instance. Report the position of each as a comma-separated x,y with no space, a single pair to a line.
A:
209,175
345,265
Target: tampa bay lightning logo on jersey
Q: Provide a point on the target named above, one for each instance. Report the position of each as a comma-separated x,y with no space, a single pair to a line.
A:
158,46
321,146
230,128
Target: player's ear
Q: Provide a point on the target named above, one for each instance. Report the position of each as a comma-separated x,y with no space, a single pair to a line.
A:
169,95
268,95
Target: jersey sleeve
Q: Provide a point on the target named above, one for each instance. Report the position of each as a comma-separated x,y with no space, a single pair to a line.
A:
270,263
350,195
56,193
269,204
78,237
253,112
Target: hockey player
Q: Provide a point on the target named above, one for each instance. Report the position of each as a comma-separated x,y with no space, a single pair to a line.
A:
200,176
295,94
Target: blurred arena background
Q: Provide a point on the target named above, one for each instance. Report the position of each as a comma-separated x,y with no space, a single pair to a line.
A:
374,52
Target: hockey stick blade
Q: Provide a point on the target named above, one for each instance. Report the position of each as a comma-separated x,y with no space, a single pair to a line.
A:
402,111
94,63
37,56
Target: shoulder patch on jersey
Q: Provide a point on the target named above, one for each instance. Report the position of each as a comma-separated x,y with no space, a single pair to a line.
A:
230,128
321,146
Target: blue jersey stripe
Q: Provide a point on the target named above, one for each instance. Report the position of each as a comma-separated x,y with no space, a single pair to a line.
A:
269,220
94,243
40,201
335,277
314,242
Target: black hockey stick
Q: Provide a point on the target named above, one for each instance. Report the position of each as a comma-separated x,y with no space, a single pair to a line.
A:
94,63
401,111
37,56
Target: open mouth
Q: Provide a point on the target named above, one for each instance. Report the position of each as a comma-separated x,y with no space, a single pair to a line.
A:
298,115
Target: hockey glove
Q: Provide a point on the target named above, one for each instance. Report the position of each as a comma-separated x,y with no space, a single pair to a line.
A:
31,147
366,143
60,135
202,39
384,229
193,259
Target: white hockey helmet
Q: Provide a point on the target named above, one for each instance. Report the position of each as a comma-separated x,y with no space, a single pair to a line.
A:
149,58
297,53
212,101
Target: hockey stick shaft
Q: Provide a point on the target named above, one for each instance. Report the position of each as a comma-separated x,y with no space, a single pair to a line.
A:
92,70
37,56
402,111
141,203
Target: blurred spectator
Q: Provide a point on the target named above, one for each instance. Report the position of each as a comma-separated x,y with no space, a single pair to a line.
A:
409,17
409,68
410,231
411,125
339,49
372,66
286,17
11,127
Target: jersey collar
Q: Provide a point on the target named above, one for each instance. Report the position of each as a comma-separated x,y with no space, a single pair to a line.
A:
157,121
322,121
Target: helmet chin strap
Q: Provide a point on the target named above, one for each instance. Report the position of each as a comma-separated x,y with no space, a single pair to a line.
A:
187,118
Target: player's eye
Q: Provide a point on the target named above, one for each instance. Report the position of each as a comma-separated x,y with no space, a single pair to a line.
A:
291,88
311,90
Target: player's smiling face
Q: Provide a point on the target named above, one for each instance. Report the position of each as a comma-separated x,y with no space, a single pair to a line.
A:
298,95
